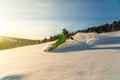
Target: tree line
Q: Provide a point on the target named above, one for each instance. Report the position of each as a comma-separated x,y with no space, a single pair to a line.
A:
115,26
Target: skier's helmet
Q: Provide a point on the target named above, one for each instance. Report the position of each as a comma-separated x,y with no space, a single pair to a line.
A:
65,31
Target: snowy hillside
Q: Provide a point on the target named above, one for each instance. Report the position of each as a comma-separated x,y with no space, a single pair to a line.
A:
90,56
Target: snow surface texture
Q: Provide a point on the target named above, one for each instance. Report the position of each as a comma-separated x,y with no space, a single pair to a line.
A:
90,56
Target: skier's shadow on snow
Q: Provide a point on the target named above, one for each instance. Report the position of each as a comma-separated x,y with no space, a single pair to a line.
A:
105,41
12,77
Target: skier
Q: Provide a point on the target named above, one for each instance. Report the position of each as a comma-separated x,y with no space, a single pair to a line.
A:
62,38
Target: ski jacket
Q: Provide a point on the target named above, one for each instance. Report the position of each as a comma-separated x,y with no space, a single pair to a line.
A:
62,38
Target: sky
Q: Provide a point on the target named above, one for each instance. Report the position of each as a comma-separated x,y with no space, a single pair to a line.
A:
42,18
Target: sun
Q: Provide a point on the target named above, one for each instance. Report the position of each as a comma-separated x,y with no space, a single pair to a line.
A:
3,29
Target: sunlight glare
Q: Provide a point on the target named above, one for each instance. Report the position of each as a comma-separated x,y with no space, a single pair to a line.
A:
3,29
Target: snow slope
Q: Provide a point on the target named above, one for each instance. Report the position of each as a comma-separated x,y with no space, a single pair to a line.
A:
90,56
